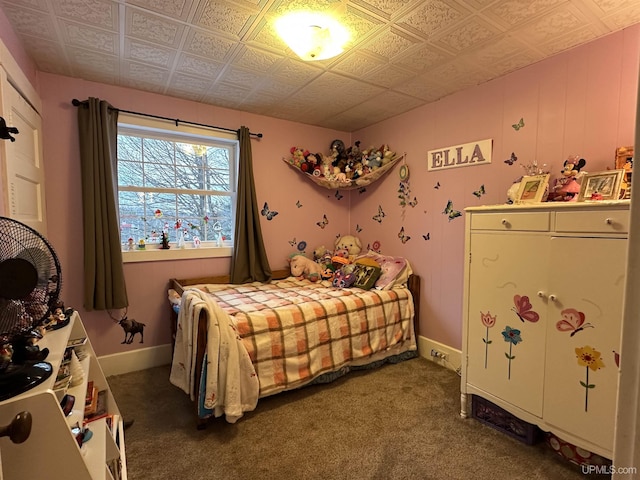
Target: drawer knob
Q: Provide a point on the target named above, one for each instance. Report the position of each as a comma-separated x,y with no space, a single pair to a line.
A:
504,221
609,221
553,298
541,294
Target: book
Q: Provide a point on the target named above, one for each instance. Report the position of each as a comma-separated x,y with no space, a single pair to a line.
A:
90,392
74,342
98,407
91,407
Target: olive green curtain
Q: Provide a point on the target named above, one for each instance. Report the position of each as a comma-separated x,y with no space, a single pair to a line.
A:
104,283
249,262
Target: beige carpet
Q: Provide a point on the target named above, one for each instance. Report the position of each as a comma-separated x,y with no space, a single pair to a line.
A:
397,422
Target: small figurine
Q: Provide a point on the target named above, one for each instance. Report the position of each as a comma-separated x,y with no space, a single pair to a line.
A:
130,244
165,241
141,244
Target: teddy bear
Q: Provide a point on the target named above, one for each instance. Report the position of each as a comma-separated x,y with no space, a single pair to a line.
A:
302,266
352,245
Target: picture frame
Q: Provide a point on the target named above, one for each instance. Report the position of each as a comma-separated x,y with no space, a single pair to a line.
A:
597,186
532,188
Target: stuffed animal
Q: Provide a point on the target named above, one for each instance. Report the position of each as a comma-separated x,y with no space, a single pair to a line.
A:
304,267
319,252
351,243
573,165
566,187
342,279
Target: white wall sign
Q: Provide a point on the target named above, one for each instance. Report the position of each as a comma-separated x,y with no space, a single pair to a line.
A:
465,155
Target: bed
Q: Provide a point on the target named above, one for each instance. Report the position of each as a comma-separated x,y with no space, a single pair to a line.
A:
234,344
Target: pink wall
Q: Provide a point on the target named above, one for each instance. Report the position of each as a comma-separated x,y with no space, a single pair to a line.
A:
147,282
578,102
581,101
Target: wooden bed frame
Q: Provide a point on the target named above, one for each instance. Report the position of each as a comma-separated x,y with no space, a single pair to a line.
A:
179,285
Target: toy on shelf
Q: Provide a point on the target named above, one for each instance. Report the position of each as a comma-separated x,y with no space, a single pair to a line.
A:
343,168
567,188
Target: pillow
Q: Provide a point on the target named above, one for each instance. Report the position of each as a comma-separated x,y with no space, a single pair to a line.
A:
367,271
395,270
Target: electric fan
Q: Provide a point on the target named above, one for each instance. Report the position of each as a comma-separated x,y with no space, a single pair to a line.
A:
30,282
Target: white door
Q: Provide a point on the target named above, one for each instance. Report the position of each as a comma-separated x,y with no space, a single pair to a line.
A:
506,350
583,337
24,178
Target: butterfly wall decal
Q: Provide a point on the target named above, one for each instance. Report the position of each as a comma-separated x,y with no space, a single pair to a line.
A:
338,195
403,238
523,309
323,223
427,236
572,321
362,189
519,125
378,218
268,213
437,186
298,204
478,193
512,159
413,202
293,242
358,228
450,212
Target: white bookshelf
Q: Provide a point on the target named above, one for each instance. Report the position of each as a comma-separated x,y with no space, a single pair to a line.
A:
51,451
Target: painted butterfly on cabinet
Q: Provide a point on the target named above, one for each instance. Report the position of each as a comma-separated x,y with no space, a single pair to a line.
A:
437,186
572,321
523,309
358,228
427,236
323,223
268,213
298,204
378,218
338,195
293,242
404,238
478,193
413,202
519,125
512,159
450,212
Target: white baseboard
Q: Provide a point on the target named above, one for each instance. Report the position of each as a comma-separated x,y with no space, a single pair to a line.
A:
454,357
141,359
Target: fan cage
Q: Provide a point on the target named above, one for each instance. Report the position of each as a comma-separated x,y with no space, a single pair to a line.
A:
17,316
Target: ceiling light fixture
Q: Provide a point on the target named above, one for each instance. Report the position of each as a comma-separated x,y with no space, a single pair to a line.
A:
312,36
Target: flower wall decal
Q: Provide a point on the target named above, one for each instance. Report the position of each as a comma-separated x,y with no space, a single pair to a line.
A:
488,321
590,358
512,336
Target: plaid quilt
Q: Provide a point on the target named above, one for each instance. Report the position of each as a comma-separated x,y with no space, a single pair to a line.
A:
295,330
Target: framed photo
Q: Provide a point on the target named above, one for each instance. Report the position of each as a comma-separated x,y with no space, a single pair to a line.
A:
601,186
532,188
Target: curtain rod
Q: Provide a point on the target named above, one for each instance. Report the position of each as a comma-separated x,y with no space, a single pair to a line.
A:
76,103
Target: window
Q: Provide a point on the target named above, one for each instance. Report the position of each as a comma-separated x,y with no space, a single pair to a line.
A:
179,181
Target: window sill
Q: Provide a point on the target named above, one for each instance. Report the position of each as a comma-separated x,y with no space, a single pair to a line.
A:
155,254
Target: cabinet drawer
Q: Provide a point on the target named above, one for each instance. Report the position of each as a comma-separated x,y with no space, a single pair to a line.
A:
523,221
606,221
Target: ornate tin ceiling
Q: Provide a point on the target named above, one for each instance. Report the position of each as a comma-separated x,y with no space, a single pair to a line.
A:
403,53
